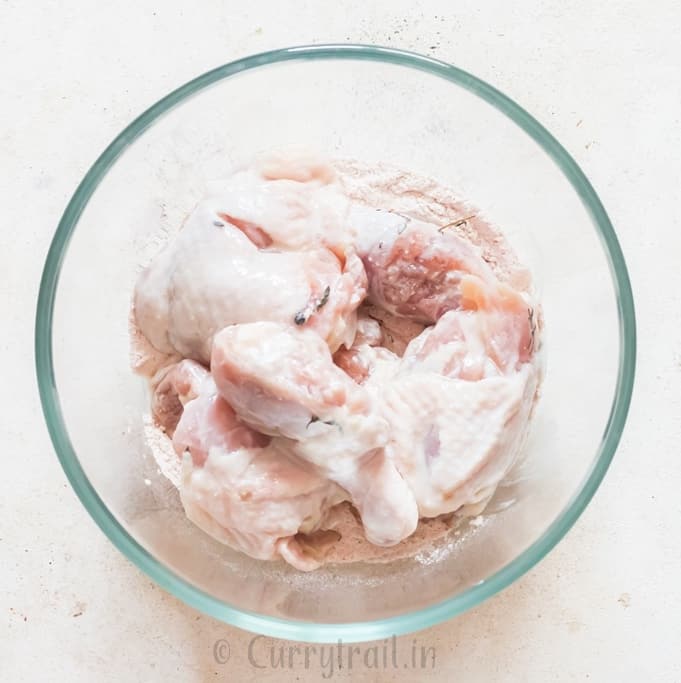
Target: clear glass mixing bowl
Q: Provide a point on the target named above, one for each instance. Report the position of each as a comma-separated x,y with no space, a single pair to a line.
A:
372,104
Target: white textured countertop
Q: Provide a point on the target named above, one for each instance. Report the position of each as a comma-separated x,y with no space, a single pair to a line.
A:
604,78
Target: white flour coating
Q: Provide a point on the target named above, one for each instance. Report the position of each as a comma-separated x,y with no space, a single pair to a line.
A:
162,449
421,198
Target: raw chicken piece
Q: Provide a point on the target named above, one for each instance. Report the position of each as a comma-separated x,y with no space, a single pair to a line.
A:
283,382
459,404
212,276
454,440
472,345
286,200
420,272
251,494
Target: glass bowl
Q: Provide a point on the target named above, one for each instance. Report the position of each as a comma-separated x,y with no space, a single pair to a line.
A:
373,104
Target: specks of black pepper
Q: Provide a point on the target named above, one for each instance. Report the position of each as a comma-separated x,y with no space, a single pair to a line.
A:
218,224
313,419
300,318
380,245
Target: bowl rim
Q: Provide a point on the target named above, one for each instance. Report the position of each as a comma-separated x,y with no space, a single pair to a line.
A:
346,631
